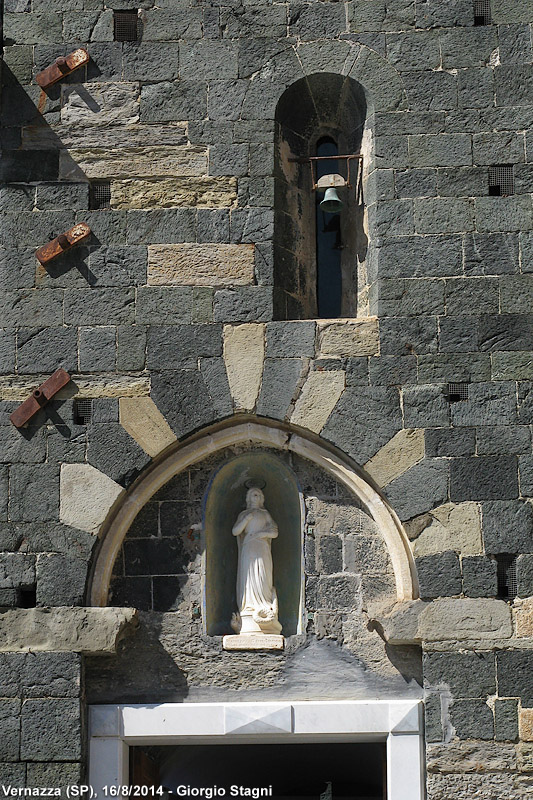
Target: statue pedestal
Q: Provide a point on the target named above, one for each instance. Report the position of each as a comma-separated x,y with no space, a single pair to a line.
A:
253,641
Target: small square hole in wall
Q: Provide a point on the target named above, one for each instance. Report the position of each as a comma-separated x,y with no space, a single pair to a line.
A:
455,392
126,26
507,584
83,410
99,195
482,12
501,180
27,597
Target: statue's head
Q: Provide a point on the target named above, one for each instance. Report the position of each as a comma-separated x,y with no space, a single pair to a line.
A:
254,498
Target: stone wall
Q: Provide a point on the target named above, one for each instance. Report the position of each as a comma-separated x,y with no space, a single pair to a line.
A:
165,319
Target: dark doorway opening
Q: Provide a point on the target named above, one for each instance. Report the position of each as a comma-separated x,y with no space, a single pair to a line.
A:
351,771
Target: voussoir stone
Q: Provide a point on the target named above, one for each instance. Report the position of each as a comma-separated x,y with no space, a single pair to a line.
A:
201,265
317,399
86,496
244,354
404,450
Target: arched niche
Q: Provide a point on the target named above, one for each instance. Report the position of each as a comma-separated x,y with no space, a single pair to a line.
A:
322,105
224,501
269,433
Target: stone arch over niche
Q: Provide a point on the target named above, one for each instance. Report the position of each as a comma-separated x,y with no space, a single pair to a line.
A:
266,433
224,500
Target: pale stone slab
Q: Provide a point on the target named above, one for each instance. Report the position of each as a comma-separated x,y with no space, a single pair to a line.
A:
404,717
60,137
200,264
85,496
132,162
402,452
257,719
244,354
141,418
254,641
523,617
450,619
99,104
471,756
354,337
525,724
202,192
96,386
77,630
318,398
452,526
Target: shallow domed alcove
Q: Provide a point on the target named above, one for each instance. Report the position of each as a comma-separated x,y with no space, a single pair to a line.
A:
225,500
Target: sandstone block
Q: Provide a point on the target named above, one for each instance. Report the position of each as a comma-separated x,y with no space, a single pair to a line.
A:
100,103
140,417
202,192
59,630
244,353
403,451
447,527
318,398
86,495
470,756
523,617
451,619
59,136
350,338
525,724
134,162
201,265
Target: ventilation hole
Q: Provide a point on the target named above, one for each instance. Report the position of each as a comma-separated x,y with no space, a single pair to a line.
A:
83,410
455,392
27,597
482,12
507,584
100,195
126,26
501,180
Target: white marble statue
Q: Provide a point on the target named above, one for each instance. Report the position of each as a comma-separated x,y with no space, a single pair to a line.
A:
256,595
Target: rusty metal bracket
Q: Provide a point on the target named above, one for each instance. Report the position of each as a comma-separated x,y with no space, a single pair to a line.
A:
61,67
39,398
313,159
62,242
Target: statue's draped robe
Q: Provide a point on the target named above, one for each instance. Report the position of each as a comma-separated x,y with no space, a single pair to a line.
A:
255,589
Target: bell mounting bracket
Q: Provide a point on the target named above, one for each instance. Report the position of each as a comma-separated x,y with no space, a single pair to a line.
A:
313,159
39,398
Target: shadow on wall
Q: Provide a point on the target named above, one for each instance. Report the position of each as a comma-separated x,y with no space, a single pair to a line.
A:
321,105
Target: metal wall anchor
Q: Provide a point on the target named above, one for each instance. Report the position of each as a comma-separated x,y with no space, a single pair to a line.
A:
61,67
62,242
39,398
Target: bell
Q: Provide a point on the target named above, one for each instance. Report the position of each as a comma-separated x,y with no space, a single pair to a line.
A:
331,203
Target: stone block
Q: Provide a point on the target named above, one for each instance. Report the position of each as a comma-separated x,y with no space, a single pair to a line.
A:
329,554
465,675
413,51
505,332
479,576
17,570
439,575
229,159
524,755
484,478
118,266
431,91
399,298
179,347
51,730
508,527
131,347
513,668
97,349
425,407
449,442
246,304
34,492
10,721
86,496
365,418
100,103
513,84
524,575
160,305
498,148
487,404
467,47
60,580
523,617
503,213
173,101
22,446
142,162
506,720
465,181
476,89
415,183
314,22
162,226
61,775
403,451
464,786
525,402
471,756
433,717
201,191
444,215
251,225
491,440
121,462
317,399
491,254
189,410
393,153
140,417
33,28
392,370
279,385
440,150
511,366
340,339
162,24
421,257
214,374
200,265
516,294
208,60
98,306
244,352
467,619
472,719
339,592
475,296
448,527
290,339
213,226
525,724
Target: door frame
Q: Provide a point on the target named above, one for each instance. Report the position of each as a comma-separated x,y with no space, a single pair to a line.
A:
114,728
